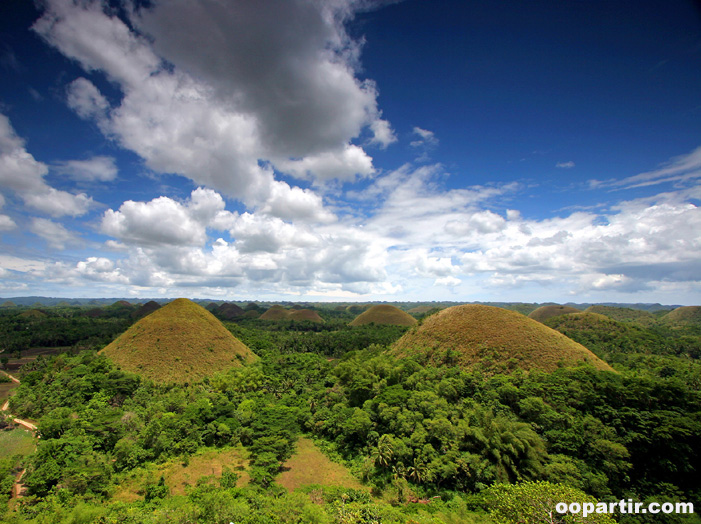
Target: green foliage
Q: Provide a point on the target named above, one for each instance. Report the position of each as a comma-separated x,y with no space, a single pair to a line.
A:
535,503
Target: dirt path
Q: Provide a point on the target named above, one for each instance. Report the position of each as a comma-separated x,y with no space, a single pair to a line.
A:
12,378
18,488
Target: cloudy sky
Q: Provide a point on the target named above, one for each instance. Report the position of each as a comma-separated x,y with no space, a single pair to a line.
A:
351,150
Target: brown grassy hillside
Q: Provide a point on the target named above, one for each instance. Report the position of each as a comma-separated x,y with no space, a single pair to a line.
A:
496,338
180,342
384,314
543,313
305,314
148,308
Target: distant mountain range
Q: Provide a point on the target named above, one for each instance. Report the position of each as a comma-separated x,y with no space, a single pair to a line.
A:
53,301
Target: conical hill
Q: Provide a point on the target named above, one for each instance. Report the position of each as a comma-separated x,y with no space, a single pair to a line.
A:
543,313
384,314
275,312
305,314
180,342
494,337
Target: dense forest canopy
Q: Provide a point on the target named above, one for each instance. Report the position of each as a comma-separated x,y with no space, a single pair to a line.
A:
426,440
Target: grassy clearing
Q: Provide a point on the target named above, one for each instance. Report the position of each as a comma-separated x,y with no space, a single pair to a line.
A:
309,466
494,338
384,314
179,474
16,442
180,342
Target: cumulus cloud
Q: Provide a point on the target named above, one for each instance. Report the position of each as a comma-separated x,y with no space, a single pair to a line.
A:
22,173
55,234
282,87
166,221
97,168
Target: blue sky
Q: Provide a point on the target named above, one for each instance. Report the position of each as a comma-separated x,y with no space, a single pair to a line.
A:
351,150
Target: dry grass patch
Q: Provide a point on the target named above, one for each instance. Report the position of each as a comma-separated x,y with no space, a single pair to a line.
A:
179,474
180,342
309,466
384,314
497,339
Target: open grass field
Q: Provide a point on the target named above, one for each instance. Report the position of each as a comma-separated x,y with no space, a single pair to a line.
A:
495,338
16,442
384,314
309,466
180,342
178,477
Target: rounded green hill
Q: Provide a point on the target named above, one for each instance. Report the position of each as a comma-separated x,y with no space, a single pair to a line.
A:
496,338
384,314
543,313
180,342
624,314
685,315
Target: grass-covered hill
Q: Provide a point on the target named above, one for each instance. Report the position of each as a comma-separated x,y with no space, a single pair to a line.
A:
228,311
603,334
624,314
180,342
494,338
275,312
384,314
304,314
148,308
685,315
543,313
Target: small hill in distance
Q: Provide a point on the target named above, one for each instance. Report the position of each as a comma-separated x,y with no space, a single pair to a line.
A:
180,342
495,338
685,315
624,314
384,314
228,311
275,313
148,308
604,335
305,315
543,313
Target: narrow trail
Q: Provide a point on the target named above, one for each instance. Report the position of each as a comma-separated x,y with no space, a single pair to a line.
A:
18,487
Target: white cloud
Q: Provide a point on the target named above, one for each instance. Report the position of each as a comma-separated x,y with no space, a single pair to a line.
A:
97,168
20,172
56,235
6,223
565,165
214,117
166,221
343,165
86,100
684,168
